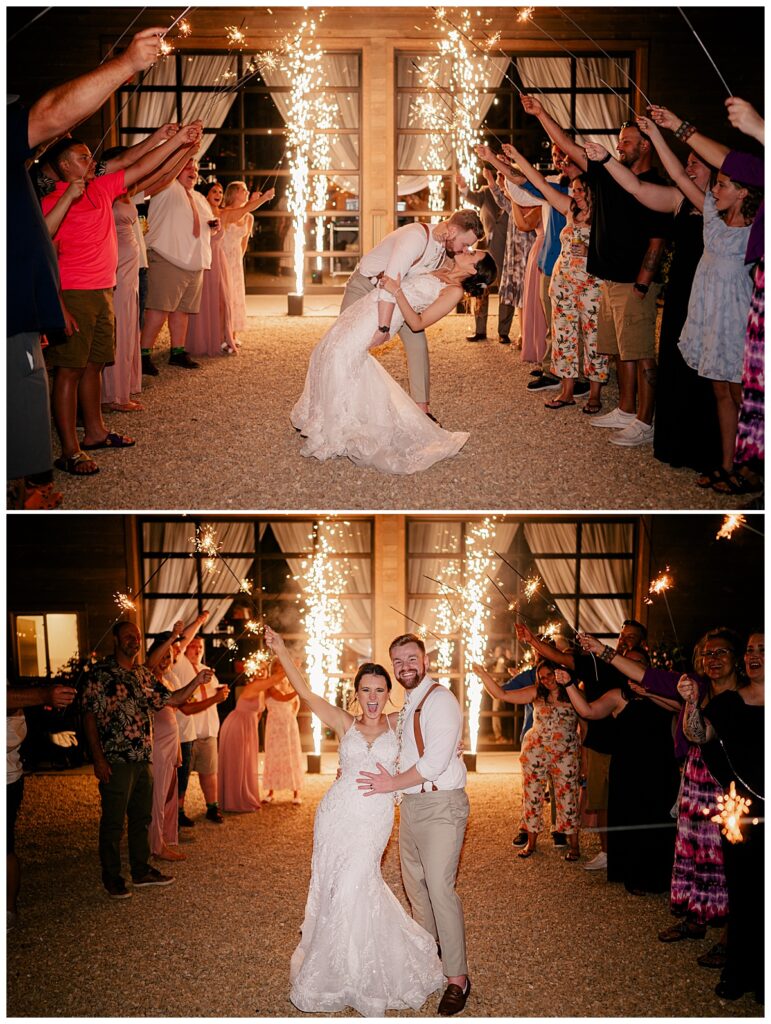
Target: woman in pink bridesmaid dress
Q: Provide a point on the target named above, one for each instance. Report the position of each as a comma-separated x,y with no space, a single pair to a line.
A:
164,833
210,330
534,327
123,378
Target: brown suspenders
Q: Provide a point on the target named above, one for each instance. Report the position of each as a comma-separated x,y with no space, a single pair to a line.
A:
418,734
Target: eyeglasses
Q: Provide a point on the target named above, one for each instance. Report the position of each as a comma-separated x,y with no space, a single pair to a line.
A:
717,652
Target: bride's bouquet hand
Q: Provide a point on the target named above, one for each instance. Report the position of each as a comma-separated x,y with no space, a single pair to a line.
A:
390,284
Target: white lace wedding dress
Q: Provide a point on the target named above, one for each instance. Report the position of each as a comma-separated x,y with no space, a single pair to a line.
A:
352,406
359,948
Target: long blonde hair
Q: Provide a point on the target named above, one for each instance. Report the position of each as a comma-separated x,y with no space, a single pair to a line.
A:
230,191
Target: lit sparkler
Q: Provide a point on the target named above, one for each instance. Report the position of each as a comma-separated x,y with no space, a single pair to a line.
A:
660,585
532,583
165,48
247,586
184,28
731,523
731,808
256,663
254,627
525,14
235,37
124,602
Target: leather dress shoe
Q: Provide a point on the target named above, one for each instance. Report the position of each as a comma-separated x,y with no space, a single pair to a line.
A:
504,339
453,1000
476,337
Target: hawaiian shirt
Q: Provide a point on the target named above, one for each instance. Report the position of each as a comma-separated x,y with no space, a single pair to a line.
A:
121,700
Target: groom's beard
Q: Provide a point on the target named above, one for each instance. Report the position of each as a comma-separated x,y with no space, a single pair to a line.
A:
409,680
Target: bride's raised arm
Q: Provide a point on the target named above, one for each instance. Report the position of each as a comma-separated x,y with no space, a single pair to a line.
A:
445,302
336,718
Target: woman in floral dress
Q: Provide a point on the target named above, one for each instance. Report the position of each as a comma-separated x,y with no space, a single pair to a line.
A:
283,767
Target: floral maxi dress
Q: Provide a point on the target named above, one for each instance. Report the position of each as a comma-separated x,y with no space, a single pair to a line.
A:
551,748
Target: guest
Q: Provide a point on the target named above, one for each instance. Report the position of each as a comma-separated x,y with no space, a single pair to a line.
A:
735,719
32,285
237,234
551,749
207,727
685,430
283,767
238,779
210,332
183,674
643,780
17,698
534,326
512,274
117,699
495,221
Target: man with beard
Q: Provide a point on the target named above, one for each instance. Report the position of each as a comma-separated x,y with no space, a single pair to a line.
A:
434,810
411,249
625,247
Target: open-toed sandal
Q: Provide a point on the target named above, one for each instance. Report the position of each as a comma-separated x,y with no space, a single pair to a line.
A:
709,477
572,856
78,464
730,483
558,403
112,440
592,408
524,854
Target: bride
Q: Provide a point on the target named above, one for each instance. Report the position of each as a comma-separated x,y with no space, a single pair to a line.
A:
351,405
359,948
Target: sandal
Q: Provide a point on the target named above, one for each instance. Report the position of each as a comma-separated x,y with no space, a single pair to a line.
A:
130,406
110,441
524,854
572,856
558,403
75,464
592,408
729,483
709,477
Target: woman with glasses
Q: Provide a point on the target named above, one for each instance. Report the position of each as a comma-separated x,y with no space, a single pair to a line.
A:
698,895
574,293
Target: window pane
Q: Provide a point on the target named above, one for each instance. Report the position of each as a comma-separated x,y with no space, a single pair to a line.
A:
260,111
595,72
499,111
176,577
62,639
424,152
425,537
341,69
606,576
603,537
30,645
592,616
264,152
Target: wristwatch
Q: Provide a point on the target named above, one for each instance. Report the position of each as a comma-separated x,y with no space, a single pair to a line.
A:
384,330
642,288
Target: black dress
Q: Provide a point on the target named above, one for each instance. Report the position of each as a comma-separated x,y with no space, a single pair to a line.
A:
643,786
685,429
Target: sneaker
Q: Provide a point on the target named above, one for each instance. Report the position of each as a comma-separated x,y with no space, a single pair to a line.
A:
544,383
559,838
615,419
536,373
183,359
504,339
580,388
149,369
183,820
635,434
476,337
520,840
214,814
116,888
597,863
152,877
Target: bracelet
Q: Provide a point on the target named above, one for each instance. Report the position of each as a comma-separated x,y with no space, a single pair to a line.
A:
607,654
384,330
685,131
604,159
642,288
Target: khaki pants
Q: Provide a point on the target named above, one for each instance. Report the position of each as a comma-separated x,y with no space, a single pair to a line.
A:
431,830
414,344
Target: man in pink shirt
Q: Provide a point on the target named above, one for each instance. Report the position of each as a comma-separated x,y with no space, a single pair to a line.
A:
87,248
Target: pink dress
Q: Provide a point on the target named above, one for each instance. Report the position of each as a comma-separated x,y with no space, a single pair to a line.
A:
164,821
534,326
211,326
283,767
238,783
124,377
232,245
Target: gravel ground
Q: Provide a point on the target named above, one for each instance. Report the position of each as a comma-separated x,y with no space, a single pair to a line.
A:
220,438
545,938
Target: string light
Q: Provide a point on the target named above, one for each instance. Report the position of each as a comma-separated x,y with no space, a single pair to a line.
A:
731,808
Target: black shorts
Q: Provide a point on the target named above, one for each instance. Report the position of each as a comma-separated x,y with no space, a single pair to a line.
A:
14,795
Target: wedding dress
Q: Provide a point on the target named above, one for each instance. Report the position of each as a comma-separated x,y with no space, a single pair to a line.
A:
352,406
359,948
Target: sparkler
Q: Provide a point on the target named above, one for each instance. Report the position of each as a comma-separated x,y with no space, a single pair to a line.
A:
531,587
422,629
731,808
235,37
525,13
124,602
166,48
256,663
31,21
660,585
123,33
734,522
185,29
709,55
246,586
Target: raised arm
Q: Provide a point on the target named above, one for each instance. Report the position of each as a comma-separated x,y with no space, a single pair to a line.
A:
444,303
600,708
631,669
185,138
184,694
159,653
552,195
336,718
564,658
190,631
695,726
56,215
556,133
69,104
234,213
662,198
134,153
714,153
164,175
744,117
524,696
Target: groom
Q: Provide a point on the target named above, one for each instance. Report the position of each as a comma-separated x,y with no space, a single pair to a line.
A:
412,249
434,810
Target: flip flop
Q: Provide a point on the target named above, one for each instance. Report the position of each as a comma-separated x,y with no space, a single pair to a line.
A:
524,854
111,441
709,477
572,856
557,403
69,464
592,408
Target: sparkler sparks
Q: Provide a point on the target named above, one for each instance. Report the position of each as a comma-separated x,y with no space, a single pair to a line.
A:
235,37
124,602
254,627
205,543
165,48
532,583
730,524
184,28
661,583
731,808
525,14
256,663
247,586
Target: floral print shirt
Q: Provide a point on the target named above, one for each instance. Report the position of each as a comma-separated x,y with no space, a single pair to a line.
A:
121,700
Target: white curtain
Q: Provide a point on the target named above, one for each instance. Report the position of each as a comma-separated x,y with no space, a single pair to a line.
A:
594,110
153,109
413,150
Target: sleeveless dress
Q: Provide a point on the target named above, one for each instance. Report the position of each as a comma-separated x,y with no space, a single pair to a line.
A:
123,377
211,326
359,948
164,821
238,783
352,406
234,255
283,767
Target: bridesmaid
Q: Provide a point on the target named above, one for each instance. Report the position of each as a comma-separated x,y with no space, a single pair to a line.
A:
210,331
283,767
237,234
123,377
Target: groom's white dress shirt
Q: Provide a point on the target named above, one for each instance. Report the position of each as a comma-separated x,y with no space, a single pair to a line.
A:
397,254
441,723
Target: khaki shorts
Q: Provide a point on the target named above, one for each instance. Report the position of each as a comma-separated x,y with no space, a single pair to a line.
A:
204,756
597,769
626,325
171,289
94,340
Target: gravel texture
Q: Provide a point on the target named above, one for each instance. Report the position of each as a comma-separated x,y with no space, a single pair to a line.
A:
545,938
220,438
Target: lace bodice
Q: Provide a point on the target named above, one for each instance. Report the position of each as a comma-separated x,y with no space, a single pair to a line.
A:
358,754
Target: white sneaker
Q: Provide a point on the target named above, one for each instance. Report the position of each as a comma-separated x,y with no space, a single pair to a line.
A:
635,433
597,863
616,419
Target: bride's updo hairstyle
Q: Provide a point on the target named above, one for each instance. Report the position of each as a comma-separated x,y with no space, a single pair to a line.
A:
484,275
369,668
